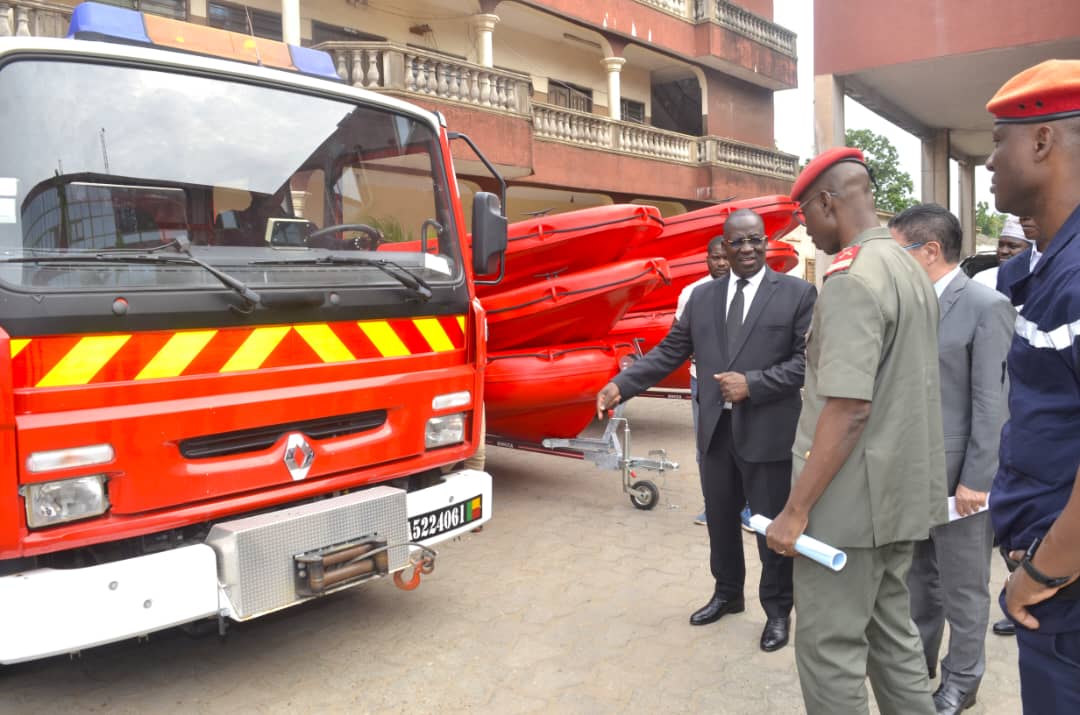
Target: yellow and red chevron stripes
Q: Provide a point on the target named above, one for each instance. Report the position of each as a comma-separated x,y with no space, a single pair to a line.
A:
64,360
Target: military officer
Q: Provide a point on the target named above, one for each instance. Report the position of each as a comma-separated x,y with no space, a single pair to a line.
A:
869,461
1034,501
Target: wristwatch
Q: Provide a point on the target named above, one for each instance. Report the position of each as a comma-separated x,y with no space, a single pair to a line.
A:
1037,575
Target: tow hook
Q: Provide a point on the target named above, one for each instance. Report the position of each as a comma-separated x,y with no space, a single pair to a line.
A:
423,564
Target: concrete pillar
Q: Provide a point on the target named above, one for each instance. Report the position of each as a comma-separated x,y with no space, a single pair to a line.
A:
290,21
829,131
935,167
967,207
485,27
828,112
613,65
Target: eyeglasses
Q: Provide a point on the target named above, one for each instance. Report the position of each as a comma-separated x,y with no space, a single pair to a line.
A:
913,246
800,214
754,240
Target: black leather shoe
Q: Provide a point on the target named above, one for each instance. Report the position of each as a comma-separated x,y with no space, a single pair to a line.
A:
775,634
716,607
931,671
950,699
1004,627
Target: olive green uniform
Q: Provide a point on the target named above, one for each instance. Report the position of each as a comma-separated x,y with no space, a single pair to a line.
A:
873,337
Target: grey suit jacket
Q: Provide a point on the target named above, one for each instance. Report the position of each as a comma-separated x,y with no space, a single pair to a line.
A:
974,335
771,353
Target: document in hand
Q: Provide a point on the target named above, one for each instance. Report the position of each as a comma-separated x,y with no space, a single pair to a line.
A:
954,514
808,546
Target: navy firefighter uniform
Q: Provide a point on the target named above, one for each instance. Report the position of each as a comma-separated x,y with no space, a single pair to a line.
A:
1040,444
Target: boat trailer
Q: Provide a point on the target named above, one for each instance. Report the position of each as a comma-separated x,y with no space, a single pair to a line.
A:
606,452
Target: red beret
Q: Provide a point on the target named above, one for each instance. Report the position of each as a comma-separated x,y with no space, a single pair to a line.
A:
821,163
1046,92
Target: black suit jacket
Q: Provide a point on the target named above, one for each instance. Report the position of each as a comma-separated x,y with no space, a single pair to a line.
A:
771,352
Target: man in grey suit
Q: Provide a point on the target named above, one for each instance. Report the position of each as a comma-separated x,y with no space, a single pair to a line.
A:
950,574
748,335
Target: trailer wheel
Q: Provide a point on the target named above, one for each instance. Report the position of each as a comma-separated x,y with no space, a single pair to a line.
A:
644,494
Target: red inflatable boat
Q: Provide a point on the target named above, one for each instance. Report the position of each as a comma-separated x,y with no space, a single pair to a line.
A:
550,392
684,271
573,241
781,256
577,307
690,232
651,327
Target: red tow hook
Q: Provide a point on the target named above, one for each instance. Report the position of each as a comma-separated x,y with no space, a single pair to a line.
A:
426,565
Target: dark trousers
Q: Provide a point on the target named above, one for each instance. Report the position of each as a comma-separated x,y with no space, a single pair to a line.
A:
730,483
1049,671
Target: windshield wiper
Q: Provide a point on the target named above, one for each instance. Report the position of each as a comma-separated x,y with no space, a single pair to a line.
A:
403,275
147,257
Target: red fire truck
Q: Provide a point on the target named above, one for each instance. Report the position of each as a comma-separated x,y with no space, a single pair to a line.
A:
239,346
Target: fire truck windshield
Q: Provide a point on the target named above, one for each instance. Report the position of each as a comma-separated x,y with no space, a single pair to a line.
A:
263,182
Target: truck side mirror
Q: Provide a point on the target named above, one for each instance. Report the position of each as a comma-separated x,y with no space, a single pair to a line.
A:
488,236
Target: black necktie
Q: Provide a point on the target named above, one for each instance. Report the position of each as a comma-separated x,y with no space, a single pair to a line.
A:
734,316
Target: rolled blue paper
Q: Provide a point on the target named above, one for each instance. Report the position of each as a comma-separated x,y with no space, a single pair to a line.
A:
808,546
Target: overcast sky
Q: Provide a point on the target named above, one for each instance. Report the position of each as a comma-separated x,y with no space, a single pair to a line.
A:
795,109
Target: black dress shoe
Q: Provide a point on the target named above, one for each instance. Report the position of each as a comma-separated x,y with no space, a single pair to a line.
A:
931,671
950,699
716,607
775,634
1004,627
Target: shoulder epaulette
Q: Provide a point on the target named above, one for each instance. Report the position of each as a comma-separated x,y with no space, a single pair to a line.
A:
843,260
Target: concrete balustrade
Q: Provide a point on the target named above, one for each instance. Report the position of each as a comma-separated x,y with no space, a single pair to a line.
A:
25,18
388,66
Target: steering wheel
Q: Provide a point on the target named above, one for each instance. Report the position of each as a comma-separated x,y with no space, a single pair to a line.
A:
369,241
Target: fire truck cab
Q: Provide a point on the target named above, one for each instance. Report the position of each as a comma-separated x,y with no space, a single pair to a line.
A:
240,351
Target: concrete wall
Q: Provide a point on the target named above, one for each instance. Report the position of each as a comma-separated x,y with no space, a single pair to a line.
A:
851,35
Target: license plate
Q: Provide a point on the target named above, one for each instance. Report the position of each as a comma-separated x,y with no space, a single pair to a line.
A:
433,523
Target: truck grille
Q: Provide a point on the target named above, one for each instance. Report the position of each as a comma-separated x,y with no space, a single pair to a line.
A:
255,554
258,438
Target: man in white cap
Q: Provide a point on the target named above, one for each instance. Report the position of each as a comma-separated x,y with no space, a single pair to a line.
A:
1011,242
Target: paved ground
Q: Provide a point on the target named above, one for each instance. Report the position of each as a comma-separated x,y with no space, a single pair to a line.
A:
569,601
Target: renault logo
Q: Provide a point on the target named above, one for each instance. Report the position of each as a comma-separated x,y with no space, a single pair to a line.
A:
298,456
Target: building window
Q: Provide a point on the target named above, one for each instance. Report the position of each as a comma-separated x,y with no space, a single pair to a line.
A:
176,9
633,111
564,94
321,32
235,18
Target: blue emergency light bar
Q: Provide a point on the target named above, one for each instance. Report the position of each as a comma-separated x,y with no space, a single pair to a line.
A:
94,21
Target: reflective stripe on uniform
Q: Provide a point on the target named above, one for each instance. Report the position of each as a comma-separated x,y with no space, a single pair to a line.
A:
1060,338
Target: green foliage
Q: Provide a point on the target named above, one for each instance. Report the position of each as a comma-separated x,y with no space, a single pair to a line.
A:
895,190
988,222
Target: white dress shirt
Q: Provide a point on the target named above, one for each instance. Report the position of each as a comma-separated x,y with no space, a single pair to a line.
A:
749,291
942,283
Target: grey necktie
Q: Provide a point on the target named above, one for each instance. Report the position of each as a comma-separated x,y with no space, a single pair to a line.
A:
735,316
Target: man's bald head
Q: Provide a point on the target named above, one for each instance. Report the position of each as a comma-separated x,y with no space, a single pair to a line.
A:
744,219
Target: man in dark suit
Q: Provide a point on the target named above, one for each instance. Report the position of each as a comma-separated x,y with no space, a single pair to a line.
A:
950,574
748,335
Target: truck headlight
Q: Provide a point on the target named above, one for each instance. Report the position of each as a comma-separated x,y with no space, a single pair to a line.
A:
445,430
50,503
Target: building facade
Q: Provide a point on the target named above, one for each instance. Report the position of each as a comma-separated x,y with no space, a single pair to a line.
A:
668,102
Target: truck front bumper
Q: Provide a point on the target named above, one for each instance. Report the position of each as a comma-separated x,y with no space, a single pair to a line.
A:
46,612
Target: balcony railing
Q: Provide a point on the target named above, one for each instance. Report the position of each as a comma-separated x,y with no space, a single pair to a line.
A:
595,132
733,17
591,130
675,7
387,66
24,18
744,22
748,157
